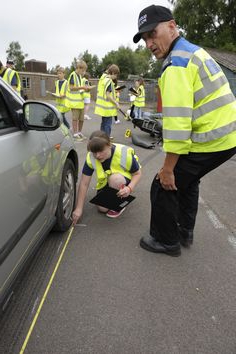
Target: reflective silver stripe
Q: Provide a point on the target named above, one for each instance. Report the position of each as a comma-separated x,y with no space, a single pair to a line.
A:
77,80
213,105
102,98
202,72
177,112
209,87
75,92
181,53
123,159
105,107
176,53
75,99
214,134
64,87
93,161
176,134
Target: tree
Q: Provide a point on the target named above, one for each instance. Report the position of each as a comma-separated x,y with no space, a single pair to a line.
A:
15,53
92,61
143,62
124,58
207,23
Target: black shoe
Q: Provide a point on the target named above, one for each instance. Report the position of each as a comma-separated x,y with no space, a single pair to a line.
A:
185,237
151,245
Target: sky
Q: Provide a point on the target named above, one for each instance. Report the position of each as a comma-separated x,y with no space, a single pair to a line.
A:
57,31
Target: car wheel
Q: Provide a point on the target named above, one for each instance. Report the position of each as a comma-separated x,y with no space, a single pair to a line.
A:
67,195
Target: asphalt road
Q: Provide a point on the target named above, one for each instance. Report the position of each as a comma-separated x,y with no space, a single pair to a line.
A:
103,294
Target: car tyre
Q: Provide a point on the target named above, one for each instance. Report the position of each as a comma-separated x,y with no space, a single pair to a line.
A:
67,196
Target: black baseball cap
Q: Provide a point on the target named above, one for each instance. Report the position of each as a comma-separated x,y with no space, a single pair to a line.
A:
149,19
10,61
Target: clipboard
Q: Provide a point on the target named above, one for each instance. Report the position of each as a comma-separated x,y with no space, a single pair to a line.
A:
53,94
108,198
118,88
131,89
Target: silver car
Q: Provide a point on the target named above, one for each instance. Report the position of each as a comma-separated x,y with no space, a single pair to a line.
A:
38,174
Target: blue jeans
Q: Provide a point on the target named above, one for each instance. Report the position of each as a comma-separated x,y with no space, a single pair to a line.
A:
137,112
106,124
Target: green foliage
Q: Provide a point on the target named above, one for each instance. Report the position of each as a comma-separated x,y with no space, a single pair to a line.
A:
124,58
92,61
15,53
138,62
208,23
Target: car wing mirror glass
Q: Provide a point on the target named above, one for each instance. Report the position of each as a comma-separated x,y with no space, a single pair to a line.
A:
40,115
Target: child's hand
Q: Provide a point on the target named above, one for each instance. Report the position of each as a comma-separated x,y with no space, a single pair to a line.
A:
124,191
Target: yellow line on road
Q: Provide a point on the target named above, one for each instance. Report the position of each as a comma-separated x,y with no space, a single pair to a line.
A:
45,293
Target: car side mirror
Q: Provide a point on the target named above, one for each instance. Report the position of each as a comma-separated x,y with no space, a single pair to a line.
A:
40,116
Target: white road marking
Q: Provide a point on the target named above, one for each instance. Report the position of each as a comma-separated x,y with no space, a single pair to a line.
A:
217,223
214,220
34,306
232,240
212,216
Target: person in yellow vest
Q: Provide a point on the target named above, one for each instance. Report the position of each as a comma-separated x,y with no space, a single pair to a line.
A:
199,129
106,104
11,76
61,88
117,92
139,101
87,97
75,99
115,165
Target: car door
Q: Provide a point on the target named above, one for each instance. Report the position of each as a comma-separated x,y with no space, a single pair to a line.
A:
25,190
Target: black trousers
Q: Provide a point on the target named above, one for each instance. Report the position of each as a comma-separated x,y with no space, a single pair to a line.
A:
170,208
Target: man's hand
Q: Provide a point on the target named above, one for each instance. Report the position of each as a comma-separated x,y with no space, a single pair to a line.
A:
167,180
166,174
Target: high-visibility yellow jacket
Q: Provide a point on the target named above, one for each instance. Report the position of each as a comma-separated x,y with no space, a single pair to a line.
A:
140,99
8,76
74,99
104,107
117,93
86,94
61,102
199,108
121,163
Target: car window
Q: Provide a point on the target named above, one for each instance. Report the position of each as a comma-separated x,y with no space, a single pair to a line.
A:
5,118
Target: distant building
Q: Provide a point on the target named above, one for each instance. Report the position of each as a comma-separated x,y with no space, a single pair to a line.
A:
35,80
34,85
36,66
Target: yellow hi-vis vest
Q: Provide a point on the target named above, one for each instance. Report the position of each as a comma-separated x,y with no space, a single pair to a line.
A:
61,102
140,99
121,163
199,108
74,99
86,94
8,76
104,107
117,94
